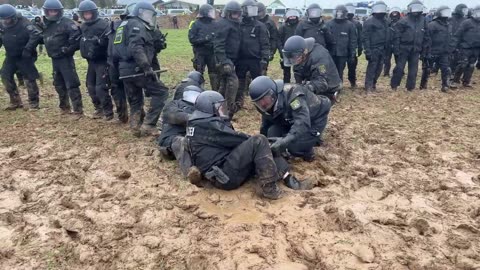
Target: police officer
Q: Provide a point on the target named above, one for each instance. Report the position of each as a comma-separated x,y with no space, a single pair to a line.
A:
201,36
352,65
393,18
20,39
467,41
254,49
285,31
61,37
313,66
376,40
409,44
134,44
315,27
293,116
37,22
345,35
227,157
194,78
458,16
264,18
226,48
441,47
93,47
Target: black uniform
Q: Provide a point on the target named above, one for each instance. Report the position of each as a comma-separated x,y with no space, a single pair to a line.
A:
93,47
352,65
319,31
376,40
226,49
301,116
467,41
455,21
253,55
134,45
159,44
318,72
62,39
389,50
440,49
180,88
274,40
345,48
20,41
201,37
409,43
286,30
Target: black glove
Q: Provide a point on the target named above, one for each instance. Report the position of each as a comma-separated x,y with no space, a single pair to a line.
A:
280,145
150,73
26,53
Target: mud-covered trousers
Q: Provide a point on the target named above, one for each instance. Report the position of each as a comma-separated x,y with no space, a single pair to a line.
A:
442,61
242,67
118,93
200,61
406,56
228,87
67,83
466,65
98,85
374,68
27,67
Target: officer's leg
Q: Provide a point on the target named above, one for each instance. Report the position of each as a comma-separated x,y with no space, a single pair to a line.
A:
60,87
8,71
91,82
241,70
387,63
471,56
399,69
27,67
372,67
20,78
352,72
443,64
287,73
339,63
460,65
212,71
379,68
72,82
158,93
179,149
413,58
135,97
119,95
425,73
102,89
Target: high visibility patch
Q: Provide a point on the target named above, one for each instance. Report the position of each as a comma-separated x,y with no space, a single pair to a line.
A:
322,69
190,131
295,104
118,36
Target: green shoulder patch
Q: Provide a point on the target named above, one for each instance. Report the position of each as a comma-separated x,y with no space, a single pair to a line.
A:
322,68
295,104
118,35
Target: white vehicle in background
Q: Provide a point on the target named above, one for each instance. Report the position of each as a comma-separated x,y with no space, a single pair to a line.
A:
178,11
363,12
276,12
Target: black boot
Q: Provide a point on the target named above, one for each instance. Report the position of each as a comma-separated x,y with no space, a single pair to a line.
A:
271,191
292,182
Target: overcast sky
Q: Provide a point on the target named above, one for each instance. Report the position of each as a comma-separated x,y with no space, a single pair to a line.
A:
397,3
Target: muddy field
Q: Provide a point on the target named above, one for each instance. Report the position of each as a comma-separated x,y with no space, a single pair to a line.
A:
397,187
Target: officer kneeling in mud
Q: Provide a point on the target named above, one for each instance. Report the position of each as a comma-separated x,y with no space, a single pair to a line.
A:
293,117
227,157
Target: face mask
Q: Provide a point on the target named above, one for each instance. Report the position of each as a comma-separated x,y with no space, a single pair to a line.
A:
314,20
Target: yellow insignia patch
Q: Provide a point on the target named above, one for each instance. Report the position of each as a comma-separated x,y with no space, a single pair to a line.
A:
322,68
295,104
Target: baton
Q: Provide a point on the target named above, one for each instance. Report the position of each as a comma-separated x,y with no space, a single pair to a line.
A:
142,74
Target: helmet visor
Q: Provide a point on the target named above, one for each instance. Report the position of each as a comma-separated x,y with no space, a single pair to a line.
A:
88,16
190,96
212,14
252,11
379,8
315,13
446,13
52,14
351,10
147,16
416,8
292,58
221,108
266,102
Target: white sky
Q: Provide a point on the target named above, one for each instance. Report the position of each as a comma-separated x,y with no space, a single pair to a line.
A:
390,3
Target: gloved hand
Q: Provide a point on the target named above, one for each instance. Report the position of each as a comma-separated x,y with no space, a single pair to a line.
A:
360,52
227,69
150,73
280,145
26,53
263,65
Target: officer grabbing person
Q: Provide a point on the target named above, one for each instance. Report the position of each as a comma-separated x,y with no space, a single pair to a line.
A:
226,47
352,65
254,49
228,158
194,78
134,45
286,30
313,66
201,36
274,41
441,47
315,27
410,42
61,37
345,35
292,116
376,41
393,18
93,47
458,16
20,39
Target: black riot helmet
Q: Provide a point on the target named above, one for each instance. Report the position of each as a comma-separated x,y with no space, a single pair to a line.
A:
249,8
262,10
128,10
190,93
211,102
294,50
232,11
145,12
314,13
395,13
340,12
461,10
379,7
53,10
443,12
196,77
264,92
206,11
350,10
87,7
415,7
8,15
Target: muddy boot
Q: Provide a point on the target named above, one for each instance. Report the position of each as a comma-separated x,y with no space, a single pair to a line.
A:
33,94
467,85
194,176
135,123
271,191
166,153
214,81
77,115
444,89
109,117
148,130
34,107
98,114
293,183
15,103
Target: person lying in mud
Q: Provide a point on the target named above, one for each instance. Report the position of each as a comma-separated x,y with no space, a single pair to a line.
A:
193,78
293,117
228,158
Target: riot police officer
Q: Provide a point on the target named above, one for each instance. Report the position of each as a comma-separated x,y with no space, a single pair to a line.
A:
352,65
228,158
61,37
285,31
201,36
376,40
264,18
441,47
254,49
458,16
345,35
20,39
93,47
292,116
226,48
315,27
134,45
393,18
313,66
194,78
409,44
467,41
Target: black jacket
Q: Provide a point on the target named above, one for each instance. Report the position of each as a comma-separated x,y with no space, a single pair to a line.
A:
59,34
376,35
345,35
468,35
22,35
254,43
226,45
359,27
180,88
211,139
274,40
319,31
441,37
411,34
285,31
94,41
455,21
201,36
175,117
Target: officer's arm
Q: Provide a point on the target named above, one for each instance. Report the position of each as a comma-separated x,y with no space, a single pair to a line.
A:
299,30
281,37
74,35
274,39
219,44
35,36
329,38
353,40
104,36
397,32
359,36
136,46
427,42
193,36
266,124
318,81
226,136
366,39
174,115
301,117
459,35
264,43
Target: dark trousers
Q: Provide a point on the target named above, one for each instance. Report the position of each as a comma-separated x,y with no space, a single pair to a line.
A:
455,63
412,58
352,71
200,61
118,93
466,65
287,73
26,66
340,63
374,69
228,87
241,68
98,84
388,62
66,82
442,62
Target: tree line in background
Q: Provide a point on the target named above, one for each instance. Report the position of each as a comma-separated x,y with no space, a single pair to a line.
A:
66,3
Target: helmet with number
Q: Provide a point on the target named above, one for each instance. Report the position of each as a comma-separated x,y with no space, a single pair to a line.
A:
340,12
314,11
293,50
379,7
206,11
415,7
8,15
190,93
461,10
232,11
264,92
350,9
250,8
211,102
443,12
53,10
196,77
145,12
88,11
